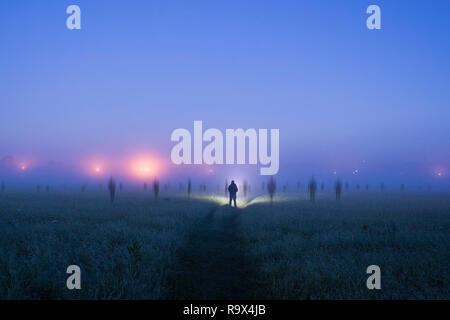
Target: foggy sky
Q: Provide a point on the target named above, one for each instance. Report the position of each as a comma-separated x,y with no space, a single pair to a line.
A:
339,93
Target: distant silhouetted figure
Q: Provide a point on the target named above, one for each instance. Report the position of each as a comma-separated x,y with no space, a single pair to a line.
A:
47,188
284,188
38,188
299,185
367,187
83,187
338,189
271,187
322,186
312,187
120,186
245,188
112,189
189,188
226,188
156,188
3,187
145,186
346,186
232,189
357,186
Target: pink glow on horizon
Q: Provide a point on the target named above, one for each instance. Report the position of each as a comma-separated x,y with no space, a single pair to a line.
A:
145,167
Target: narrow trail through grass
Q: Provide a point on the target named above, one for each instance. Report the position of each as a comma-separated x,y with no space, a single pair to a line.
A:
213,263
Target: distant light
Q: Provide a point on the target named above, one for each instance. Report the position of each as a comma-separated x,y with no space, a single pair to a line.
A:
144,167
439,174
355,171
23,167
334,172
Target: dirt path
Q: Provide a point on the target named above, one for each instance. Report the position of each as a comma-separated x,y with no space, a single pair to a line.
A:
213,264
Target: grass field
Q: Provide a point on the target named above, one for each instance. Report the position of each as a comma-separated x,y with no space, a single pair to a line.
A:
176,248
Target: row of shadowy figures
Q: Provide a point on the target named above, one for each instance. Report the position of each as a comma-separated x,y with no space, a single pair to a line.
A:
271,188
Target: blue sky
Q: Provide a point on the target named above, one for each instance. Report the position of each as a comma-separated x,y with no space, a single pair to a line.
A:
137,70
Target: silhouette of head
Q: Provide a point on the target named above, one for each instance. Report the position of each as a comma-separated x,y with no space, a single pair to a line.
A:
232,181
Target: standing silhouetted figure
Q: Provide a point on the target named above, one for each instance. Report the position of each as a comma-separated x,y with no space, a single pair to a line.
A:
271,187
312,189
346,186
47,188
156,188
322,186
338,188
112,188
367,187
189,188
38,188
145,186
232,189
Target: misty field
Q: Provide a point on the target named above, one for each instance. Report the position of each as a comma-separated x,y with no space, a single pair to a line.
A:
175,248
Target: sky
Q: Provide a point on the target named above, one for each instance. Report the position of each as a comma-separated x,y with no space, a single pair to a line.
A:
344,97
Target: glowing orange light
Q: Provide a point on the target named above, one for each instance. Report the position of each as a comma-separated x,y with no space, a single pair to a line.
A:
145,167
97,169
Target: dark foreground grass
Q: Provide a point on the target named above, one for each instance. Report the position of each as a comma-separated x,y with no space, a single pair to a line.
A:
124,250
321,250
139,248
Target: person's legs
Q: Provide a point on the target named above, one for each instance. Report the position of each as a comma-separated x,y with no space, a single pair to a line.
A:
230,200
234,200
